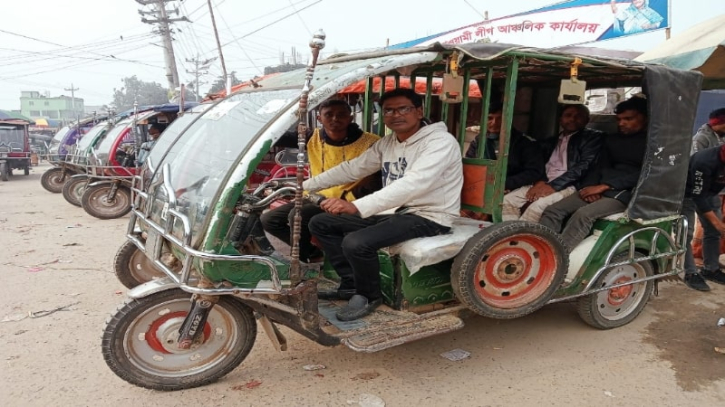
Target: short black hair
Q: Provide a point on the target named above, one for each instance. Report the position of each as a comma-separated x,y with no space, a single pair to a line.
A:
334,102
158,126
495,107
635,103
717,113
581,108
410,94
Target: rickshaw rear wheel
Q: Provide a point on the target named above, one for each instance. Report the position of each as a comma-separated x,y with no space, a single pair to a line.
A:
132,267
509,270
53,180
26,170
139,341
4,171
96,203
618,306
73,190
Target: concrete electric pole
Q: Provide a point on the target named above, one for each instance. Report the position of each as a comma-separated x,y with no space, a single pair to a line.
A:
227,78
161,17
200,68
72,91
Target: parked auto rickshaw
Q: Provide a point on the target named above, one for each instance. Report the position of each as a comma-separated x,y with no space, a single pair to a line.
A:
78,162
113,164
14,147
61,148
198,220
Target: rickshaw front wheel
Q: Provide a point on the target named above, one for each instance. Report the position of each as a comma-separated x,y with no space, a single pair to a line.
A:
26,170
139,342
73,190
97,203
132,267
53,180
509,269
619,306
4,171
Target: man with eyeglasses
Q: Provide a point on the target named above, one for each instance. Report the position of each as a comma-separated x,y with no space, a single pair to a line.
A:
422,180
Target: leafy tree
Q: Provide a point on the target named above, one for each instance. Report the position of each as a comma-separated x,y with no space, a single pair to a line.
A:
220,85
134,89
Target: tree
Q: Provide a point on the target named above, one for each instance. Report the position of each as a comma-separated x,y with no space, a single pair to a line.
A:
220,85
134,89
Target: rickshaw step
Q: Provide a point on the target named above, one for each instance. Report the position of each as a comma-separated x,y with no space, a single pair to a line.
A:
379,339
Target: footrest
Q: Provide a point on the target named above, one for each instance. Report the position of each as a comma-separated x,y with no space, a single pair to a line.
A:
374,341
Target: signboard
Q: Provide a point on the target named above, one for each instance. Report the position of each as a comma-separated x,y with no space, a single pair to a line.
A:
566,23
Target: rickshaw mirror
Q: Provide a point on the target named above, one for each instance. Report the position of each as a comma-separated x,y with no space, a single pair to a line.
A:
452,89
571,92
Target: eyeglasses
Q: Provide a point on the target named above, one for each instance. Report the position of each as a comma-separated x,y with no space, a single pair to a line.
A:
402,111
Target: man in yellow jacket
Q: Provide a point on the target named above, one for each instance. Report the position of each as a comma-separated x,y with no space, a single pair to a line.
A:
337,141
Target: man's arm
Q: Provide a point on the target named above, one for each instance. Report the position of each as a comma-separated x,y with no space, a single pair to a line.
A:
533,162
418,180
359,167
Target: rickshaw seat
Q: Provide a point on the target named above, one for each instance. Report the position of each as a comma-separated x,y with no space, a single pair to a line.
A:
425,251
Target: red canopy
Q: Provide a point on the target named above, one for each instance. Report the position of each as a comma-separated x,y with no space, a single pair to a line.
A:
420,86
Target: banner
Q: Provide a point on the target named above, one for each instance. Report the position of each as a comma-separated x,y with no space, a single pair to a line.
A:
566,23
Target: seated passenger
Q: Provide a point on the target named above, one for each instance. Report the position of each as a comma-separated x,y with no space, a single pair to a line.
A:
570,156
155,131
607,188
421,196
339,140
525,162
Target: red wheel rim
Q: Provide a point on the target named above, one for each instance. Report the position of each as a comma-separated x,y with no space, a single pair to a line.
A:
617,296
161,344
515,272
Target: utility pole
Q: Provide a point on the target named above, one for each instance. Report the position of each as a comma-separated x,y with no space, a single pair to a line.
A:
200,68
227,79
72,91
161,17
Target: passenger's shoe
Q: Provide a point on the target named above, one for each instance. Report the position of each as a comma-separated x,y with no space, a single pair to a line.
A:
333,295
358,307
716,276
696,282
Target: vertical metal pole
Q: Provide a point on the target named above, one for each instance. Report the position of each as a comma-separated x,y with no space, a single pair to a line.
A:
227,79
485,105
368,106
381,125
463,118
505,138
428,95
316,44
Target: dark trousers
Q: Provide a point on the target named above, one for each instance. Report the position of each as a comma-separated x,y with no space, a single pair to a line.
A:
710,247
583,215
351,244
277,223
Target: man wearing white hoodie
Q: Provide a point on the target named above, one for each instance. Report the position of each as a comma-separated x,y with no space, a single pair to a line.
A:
421,196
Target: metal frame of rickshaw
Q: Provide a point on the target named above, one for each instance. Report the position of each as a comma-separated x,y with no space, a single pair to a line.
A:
11,157
158,233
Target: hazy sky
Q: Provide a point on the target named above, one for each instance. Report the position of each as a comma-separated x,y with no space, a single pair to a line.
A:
93,44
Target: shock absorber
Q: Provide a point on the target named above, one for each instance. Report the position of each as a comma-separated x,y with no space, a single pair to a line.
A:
193,326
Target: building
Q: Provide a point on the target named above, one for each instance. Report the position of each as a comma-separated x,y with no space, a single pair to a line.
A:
36,105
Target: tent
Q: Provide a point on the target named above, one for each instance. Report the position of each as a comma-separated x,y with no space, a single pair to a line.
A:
701,47
8,115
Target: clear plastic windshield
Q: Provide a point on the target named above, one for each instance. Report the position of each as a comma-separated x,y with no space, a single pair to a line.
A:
87,140
169,135
12,137
203,156
104,148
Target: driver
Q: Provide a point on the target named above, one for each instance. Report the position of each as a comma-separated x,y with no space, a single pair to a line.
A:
339,140
155,131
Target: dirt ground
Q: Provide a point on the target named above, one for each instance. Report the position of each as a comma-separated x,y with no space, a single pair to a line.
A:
57,288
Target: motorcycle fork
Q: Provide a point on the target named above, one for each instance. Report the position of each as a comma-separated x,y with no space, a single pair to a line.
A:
112,192
193,326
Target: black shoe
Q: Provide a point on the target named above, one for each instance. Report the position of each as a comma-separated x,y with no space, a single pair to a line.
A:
339,294
716,276
696,282
357,308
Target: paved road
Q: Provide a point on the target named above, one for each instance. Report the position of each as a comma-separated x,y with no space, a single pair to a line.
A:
54,255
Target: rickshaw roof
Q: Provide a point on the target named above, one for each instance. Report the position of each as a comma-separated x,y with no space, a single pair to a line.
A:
14,122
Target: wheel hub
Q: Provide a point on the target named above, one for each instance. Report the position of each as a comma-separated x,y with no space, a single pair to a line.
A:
509,268
618,295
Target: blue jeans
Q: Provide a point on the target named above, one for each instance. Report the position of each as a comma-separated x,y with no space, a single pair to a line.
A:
351,244
710,241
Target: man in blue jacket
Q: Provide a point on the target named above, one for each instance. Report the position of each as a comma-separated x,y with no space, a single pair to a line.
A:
705,180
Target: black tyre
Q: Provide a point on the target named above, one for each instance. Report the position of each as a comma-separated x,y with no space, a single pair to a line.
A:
53,180
133,267
509,270
96,202
618,306
26,170
4,171
73,190
139,342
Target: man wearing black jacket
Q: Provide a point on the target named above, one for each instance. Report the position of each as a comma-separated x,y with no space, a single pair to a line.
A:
705,180
607,188
525,162
569,157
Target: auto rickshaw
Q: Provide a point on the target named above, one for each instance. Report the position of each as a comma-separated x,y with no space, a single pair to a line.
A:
14,147
61,148
113,164
77,163
197,220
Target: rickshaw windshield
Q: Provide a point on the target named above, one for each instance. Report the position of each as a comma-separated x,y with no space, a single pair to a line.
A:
203,156
60,134
12,137
107,143
87,140
172,132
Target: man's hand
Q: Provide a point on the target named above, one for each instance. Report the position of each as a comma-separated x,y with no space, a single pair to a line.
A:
593,190
713,219
540,190
337,206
